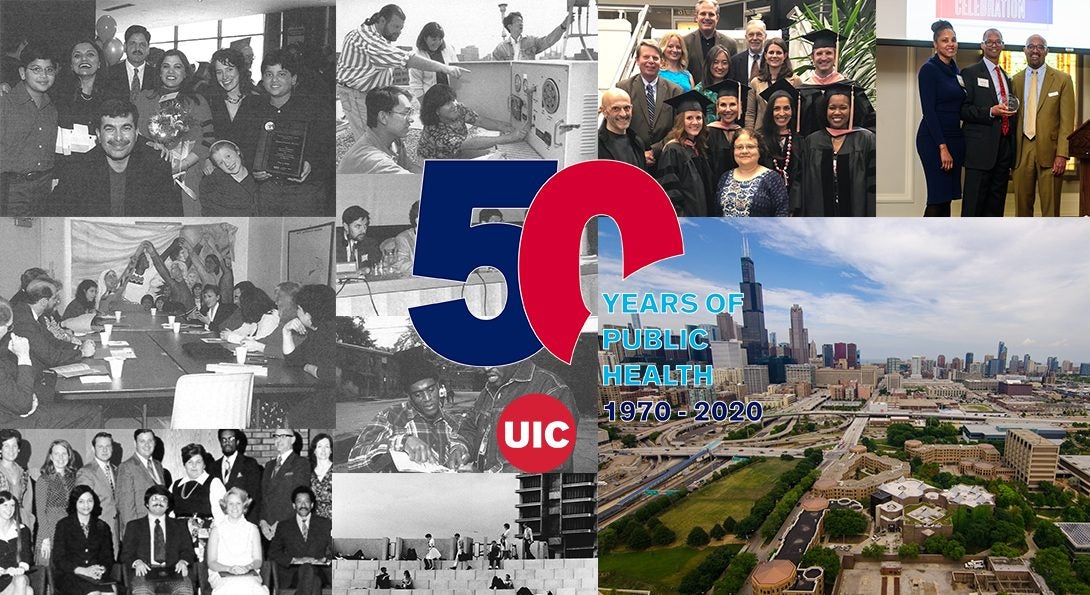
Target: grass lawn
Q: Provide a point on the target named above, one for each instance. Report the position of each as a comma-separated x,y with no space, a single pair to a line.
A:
975,407
732,496
657,570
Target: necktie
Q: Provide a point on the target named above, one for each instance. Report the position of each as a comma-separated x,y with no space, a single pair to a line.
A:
110,477
1003,98
276,467
151,469
1030,116
226,470
160,544
651,105
135,85
306,529
756,66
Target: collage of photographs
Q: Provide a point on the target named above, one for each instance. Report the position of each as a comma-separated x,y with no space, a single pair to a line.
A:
209,216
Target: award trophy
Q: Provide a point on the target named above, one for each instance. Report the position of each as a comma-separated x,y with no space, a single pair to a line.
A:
280,149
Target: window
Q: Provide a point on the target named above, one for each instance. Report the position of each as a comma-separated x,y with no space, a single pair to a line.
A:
200,40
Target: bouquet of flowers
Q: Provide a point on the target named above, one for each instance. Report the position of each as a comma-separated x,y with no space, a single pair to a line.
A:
166,129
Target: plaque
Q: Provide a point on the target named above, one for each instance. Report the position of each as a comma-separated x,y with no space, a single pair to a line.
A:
280,148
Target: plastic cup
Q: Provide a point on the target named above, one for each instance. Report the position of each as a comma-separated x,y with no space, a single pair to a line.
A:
240,354
116,365
170,320
105,336
177,327
109,328
153,311
117,315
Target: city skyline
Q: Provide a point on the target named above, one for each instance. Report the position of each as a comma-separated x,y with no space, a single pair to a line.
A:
896,289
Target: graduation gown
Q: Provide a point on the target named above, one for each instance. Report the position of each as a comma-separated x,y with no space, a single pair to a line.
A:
720,153
774,156
811,98
686,178
851,193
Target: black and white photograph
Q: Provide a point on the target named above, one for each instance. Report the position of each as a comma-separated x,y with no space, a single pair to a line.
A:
532,534
420,80
149,108
187,323
404,408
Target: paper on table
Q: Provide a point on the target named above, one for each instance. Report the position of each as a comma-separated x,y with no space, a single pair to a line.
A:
73,370
81,324
126,353
118,344
405,464
96,379
213,340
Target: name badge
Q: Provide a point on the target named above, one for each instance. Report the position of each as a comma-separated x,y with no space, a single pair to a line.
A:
983,83
961,81
1054,93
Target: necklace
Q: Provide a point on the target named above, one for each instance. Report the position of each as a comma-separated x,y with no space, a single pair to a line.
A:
786,140
232,100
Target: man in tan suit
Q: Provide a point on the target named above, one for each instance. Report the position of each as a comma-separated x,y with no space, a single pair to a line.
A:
138,473
101,476
652,118
706,37
1048,117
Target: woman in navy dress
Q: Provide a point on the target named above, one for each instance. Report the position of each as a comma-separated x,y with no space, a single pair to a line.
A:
939,141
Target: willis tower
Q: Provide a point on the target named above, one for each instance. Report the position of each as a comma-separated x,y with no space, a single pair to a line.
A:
754,334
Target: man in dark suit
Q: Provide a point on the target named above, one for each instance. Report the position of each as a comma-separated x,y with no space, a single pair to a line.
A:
134,69
236,470
616,140
303,546
213,314
281,476
121,176
158,549
46,351
698,42
101,476
354,245
744,64
649,90
135,476
990,129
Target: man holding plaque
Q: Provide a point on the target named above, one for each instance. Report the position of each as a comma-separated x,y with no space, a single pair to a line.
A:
287,139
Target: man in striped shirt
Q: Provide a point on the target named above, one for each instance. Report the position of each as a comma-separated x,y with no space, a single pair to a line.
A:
369,58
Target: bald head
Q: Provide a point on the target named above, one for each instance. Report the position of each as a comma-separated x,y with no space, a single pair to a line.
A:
617,109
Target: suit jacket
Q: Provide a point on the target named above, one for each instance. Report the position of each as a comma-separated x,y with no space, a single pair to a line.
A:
246,474
739,68
1055,115
981,130
133,480
72,550
696,52
46,351
137,542
16,389
84,186
118,84
222,313
288,542
92,476
664,114
276,488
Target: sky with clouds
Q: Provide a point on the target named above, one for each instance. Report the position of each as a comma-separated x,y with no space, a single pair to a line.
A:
895,287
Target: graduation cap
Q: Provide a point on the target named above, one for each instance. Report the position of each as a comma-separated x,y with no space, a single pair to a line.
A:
729,88
822,38
844,88
689,101
782,86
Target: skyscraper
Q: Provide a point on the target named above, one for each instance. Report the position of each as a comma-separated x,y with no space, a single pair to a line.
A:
840,351
1001,355
636,321
725,322
968,359
852,356
941,361
893,365
827,355
800,343
754,334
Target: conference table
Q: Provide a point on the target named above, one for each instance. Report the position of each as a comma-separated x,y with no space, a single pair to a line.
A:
147,382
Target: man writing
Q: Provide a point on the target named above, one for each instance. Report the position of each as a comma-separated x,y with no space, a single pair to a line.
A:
379,149
616,140
28,136
120,177
354,245
705,38
990,128
158,549
1048,118
526,47
303,546
651,117
369,58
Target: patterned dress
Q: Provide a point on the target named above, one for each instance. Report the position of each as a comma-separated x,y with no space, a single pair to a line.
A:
761,196
444,139
52,502
22,491
323,492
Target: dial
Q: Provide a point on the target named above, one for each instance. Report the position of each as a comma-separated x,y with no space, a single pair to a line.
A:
550,96
518,83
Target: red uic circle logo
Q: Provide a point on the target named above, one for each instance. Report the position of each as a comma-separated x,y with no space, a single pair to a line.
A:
536,433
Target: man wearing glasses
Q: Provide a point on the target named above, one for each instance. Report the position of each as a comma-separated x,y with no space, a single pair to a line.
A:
416,431
282,475
28,136
380,149
990,127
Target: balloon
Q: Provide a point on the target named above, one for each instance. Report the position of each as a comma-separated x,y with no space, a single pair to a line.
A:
113,51
106,27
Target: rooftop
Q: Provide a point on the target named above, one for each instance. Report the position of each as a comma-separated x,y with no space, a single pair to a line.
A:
905,488
1078,534
967,495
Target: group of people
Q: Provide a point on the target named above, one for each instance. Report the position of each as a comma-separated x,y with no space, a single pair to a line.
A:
739,134
417,433
380,113
36,333
1017,128
202,528
172,139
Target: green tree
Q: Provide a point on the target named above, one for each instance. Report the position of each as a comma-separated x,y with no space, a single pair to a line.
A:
628,440
874,551
824,557
729,524
734,578
697,537
662,535
908,551
1003,550
954,550
1048,535
639,538
717,532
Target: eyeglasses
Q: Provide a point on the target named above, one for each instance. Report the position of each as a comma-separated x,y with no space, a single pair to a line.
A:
406,114
1033,46
37,70
993,42
284,436
746,147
